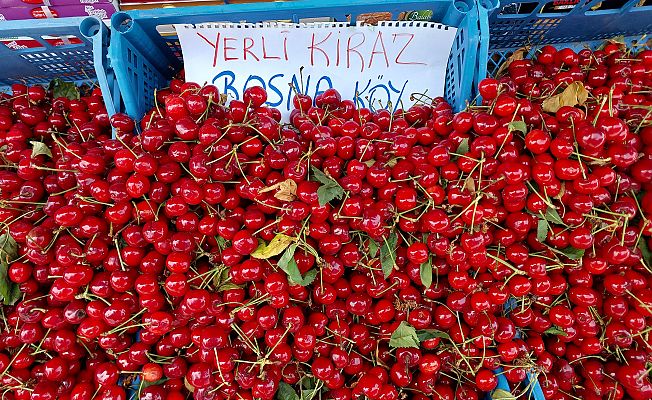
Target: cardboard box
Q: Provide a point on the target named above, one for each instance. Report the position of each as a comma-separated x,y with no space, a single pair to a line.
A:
100,10
55,3
148,4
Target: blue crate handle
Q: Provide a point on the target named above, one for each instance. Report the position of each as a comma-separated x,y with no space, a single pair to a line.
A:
79,63
531,382
503,384
132,389
97,32
144,61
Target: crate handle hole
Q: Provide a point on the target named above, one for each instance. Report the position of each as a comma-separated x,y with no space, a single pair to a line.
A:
491,4
462,6
122,22
89,27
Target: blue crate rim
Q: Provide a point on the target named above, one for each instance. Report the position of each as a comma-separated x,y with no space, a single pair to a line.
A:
578,24
144,60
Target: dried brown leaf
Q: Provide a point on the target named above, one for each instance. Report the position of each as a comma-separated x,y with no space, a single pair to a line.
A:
620,39
469,184
287,190
574,94
516,55
373,18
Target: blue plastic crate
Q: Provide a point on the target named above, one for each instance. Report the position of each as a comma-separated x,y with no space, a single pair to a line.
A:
514,24
531,382
144,60
77,62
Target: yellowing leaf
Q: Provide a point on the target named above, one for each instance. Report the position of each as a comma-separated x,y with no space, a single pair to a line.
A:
501,394
39,148
516,55
573,95
391,162
287,190
274,248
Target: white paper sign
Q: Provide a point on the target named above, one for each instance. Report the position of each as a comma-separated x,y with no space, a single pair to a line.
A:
375,66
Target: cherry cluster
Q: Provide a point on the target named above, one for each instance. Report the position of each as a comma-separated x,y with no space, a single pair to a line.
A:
210,251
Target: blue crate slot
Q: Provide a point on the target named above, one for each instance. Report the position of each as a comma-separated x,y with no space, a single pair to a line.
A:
76,62
145,60
514,24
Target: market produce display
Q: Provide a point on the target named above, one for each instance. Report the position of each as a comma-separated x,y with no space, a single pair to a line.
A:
210,251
